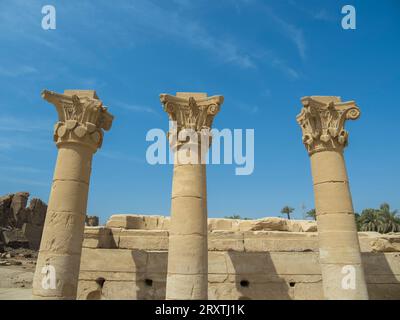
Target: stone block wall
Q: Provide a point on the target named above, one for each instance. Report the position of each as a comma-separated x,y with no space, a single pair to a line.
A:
269,258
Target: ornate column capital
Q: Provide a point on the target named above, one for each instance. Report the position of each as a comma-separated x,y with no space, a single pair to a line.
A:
322,121
81,117
192,112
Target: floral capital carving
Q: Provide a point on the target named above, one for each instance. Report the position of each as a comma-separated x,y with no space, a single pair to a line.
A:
191,111
82,117
322,120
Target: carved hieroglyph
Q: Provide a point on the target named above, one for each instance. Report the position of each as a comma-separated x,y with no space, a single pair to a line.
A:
322,120
78,134
187,276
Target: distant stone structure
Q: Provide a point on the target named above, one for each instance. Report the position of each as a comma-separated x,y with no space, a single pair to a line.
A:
187,259
322,121
21,225
269,258
78,134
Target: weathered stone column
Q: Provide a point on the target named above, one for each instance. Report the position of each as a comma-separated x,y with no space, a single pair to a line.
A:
322,121
78,134
193,114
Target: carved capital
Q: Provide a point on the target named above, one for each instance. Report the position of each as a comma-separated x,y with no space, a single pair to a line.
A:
81,117
191,112
322,121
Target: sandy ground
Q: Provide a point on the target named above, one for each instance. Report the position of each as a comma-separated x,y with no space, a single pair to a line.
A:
16,274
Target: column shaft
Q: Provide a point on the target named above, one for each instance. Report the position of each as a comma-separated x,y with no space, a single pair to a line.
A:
188,251
340,256
61,243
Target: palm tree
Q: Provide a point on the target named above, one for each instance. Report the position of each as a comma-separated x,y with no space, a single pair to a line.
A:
390,218
380,220
311,214
287,210
370,220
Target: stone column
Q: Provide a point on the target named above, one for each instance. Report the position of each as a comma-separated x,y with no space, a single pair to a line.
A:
77,134
322,120
192,114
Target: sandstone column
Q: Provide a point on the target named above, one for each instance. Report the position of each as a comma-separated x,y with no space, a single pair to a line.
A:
322,120
192,114
77,134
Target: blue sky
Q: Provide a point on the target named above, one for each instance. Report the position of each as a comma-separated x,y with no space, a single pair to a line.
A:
261,55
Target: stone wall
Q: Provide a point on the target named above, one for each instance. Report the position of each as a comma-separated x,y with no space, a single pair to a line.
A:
269,258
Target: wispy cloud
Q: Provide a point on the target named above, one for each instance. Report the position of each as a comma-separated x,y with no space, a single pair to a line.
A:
247,108
154,17
292,32
17,71
321,14
135,108
25,182
22,169
31,143
116,155
10,123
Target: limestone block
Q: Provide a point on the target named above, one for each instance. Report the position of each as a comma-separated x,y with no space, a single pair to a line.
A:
98,237
33,233
143,239
73,163
270,223
295,263
332,197
388,243
221,224
246,225
15,238
344,221
184,176
38,211
189,216
333,275
85,275
381,263
339,247
264,291
144,222
88,290
366,239
186,287
192,253
157,262
121,290
225,241
308,291
387,278
123,260
68,196
66,228
328,166
379,291
302,225
261,241
66,268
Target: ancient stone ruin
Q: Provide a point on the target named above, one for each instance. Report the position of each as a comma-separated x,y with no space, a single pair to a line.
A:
189,256
270,258
21,226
